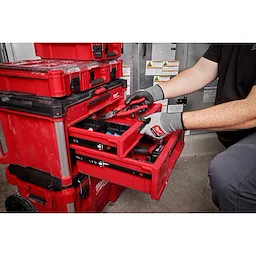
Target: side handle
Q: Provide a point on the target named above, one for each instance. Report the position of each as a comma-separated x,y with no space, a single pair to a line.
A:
97,81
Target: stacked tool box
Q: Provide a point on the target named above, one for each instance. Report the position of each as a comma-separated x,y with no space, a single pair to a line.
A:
39,99
63,155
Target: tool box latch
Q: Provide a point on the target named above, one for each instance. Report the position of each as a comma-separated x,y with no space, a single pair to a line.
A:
75,84
113,74
74,77
97,50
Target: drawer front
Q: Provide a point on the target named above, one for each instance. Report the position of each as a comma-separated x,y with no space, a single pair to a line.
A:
137,174
116,136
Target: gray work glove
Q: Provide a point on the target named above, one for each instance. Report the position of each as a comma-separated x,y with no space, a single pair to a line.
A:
151,94
159,125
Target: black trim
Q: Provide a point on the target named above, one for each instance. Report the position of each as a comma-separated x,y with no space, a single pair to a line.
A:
43,179
97,162
93,145
47,106
93,102
97,81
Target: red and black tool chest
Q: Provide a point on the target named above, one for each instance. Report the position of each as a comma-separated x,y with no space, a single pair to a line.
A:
92,149
46,194
35,128
79,51
57,78
63,155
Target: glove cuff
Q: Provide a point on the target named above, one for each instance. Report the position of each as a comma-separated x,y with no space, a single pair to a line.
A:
156,92
172,122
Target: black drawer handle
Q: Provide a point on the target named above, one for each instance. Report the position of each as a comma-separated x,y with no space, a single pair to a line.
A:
111,54
93,102
37,199
97,81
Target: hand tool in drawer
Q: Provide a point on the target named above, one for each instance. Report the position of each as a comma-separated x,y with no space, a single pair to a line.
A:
135,107
152,152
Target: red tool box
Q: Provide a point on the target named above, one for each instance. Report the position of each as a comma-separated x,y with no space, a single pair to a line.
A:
79,51
57,78
102,192
99,134
35,128
39,192
146,168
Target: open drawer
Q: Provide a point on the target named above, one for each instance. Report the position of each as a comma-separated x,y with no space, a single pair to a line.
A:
116,136
147,172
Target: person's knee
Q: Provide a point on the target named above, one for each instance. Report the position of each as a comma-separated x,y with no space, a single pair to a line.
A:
219,175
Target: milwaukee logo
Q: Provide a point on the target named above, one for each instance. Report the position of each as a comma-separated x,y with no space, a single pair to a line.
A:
157,131
116,95
100,185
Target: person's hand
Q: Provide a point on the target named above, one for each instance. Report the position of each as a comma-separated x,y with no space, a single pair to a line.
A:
159,125
151,94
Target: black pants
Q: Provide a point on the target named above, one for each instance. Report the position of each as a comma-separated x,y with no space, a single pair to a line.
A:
232,176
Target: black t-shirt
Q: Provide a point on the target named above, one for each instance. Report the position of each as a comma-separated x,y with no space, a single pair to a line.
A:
236,73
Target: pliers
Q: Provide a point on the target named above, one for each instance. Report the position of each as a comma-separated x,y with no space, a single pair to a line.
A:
133,108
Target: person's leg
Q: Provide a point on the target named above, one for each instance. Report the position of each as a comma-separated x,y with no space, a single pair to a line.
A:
232,176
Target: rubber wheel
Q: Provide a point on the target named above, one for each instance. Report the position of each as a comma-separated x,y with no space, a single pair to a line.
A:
18,204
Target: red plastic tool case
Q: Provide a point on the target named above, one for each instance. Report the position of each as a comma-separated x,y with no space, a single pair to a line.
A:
135,173
87,194
80,133
79,51
57,78
35,128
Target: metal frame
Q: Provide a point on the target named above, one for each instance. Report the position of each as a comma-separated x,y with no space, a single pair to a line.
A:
3,144
71,208
62,148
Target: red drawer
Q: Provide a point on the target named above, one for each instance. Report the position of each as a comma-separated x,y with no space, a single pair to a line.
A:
101,135
134,171
57,78
35,129
79,51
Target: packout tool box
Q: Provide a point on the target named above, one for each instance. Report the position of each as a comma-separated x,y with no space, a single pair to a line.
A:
39,192
79,51
35,132
73,138
57,78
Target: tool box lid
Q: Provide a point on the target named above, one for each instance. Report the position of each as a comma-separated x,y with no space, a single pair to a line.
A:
51,107
48,65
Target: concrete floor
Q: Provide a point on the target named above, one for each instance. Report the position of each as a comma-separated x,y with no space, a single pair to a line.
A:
187,191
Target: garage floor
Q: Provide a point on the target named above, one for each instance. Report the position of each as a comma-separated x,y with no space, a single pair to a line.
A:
187,191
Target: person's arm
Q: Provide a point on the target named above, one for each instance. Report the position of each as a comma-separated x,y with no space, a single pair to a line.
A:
188,81
191,79
234,115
